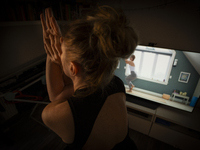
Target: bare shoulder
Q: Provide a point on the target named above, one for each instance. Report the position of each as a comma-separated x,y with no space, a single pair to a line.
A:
58,117
132,63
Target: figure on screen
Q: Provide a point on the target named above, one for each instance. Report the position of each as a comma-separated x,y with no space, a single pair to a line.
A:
133,75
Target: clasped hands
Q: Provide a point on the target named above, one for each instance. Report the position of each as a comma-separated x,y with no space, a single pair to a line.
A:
52,36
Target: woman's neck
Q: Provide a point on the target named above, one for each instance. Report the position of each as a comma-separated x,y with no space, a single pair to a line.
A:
78,83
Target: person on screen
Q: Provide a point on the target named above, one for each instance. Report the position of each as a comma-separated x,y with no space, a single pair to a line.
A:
87,108
133,75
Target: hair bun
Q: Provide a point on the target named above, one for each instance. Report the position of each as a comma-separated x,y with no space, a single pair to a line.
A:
97,42
115,37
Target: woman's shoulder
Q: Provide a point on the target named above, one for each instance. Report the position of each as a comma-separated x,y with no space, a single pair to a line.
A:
132,64
118,84
117,80
58,117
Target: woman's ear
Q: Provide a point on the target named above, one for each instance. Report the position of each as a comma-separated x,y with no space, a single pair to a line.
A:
74,68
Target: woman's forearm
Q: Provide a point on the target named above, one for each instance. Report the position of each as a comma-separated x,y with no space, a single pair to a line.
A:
54,79
58,86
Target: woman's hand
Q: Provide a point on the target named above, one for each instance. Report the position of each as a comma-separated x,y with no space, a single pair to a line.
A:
51,36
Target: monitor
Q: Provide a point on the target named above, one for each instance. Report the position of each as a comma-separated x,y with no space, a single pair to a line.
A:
165,76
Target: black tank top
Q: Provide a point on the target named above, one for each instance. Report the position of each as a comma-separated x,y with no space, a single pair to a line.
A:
85,111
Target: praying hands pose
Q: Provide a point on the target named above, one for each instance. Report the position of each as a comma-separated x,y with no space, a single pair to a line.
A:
87,109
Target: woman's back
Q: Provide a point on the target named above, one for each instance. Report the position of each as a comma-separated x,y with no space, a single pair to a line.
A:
100,120
88,109
110,126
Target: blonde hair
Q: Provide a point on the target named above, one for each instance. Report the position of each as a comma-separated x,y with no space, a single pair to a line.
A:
97,42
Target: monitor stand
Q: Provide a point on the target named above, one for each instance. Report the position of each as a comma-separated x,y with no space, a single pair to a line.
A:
142,102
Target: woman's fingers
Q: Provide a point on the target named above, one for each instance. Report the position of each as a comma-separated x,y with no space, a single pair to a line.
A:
43,22
55,55
51,36
58,44
47,18
45,35
52,27
46,49
54,51
50,13
43,26
54,40
57,35
49,51
56,26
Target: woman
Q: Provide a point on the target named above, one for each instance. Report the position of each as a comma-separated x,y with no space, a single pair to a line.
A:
87,108
133,75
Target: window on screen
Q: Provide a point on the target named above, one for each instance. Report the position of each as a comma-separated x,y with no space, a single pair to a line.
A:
153,64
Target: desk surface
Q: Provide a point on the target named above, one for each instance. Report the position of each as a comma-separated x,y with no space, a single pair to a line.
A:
183,118
160,100
140,108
